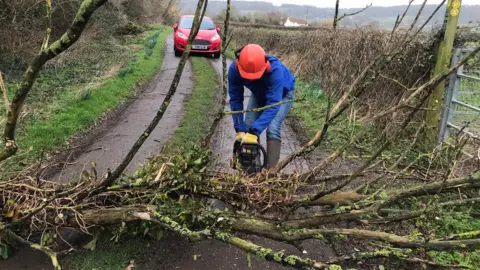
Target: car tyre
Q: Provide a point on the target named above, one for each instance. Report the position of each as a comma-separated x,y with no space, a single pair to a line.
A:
177,52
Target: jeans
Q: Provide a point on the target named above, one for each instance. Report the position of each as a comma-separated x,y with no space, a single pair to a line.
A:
274,128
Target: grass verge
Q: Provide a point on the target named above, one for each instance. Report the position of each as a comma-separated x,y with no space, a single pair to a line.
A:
311,109
199,108
53,116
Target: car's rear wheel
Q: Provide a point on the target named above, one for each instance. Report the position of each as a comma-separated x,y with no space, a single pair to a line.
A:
217,55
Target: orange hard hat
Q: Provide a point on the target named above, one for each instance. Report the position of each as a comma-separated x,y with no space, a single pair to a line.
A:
252,62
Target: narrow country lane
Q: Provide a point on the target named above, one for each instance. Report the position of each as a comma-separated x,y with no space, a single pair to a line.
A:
108,150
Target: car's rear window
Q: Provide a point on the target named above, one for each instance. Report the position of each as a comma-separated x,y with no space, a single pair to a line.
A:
187,23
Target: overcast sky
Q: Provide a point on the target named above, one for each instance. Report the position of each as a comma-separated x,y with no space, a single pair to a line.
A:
361,3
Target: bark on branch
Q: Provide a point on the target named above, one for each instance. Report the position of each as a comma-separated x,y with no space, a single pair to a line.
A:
272,231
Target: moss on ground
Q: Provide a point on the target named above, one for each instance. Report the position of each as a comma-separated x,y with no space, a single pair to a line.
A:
450,222
109,255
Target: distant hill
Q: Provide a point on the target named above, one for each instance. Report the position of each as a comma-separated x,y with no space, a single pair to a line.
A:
382,16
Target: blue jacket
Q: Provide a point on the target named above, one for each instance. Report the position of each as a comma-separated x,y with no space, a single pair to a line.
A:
271,88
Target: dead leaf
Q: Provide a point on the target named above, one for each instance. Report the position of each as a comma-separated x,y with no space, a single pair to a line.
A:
92,244
158,234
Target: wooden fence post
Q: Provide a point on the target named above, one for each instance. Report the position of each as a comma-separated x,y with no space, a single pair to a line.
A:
444,53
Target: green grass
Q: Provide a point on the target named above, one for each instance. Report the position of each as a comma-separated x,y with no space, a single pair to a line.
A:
231,50
200,108
109,255
455,222
311,110
61,114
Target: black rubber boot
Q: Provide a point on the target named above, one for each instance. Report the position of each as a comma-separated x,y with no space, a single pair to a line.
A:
273,152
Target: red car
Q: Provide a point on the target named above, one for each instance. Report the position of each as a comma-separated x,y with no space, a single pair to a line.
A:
207,41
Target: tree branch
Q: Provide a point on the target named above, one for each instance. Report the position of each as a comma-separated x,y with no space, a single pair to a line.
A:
50,253
399,21
87,8
433,188
270,255
258,109
335,17
225,44
354,13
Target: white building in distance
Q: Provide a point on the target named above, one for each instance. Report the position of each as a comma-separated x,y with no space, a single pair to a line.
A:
292,22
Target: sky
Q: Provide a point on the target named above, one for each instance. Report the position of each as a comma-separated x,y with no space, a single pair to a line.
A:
361,3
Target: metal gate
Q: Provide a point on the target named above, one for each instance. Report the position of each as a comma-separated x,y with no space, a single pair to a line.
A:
462,100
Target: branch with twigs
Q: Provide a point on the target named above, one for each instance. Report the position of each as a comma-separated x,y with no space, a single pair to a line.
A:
71,210
399,20
336,21
46,53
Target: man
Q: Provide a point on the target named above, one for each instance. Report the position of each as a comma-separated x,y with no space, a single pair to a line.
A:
270,82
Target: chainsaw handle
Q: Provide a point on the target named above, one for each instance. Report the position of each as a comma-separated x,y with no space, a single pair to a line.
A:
264,153
237,148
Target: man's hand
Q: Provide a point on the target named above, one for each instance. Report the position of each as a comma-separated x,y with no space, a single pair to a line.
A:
250,138
239,136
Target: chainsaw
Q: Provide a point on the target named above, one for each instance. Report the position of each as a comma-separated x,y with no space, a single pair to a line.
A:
249,158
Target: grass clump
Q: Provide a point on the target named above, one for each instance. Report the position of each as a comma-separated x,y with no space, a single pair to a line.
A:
69,99
310,110
199,108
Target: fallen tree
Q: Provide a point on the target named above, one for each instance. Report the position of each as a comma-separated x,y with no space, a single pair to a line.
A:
172,191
